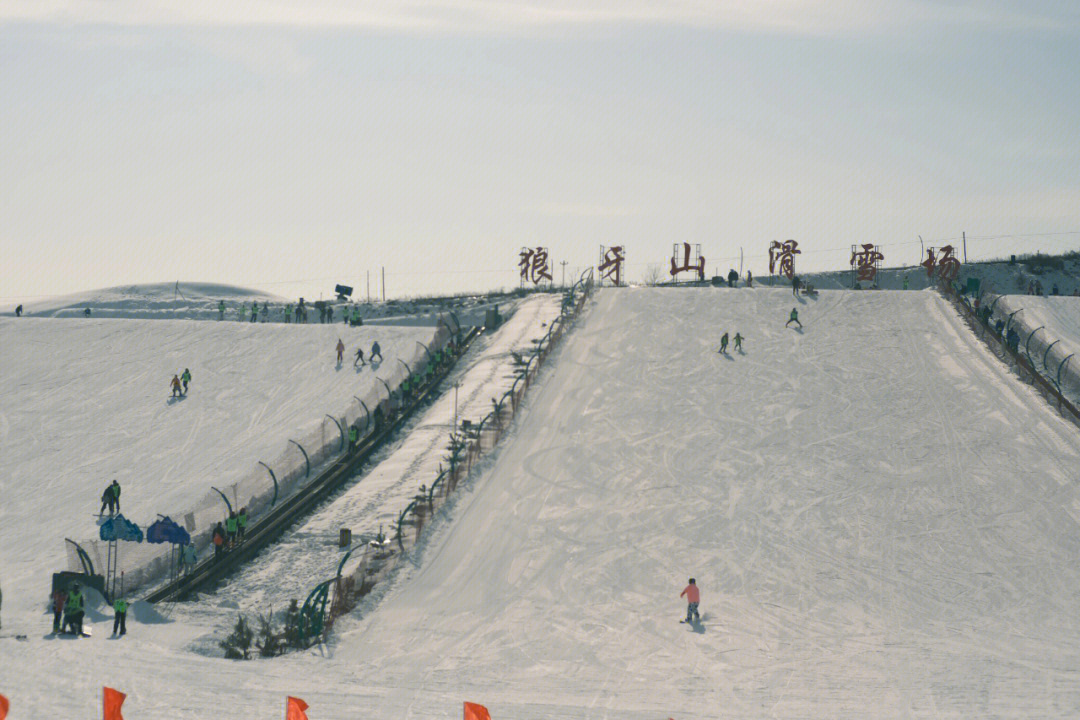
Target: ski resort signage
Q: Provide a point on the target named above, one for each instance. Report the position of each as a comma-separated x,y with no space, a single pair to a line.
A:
533,265
697,264
947,266
782,257
611,261
866,261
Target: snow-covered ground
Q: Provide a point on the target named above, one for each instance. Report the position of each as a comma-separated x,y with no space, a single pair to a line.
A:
84,401
883,521
1052,324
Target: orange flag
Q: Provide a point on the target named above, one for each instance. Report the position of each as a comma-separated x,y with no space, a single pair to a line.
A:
111,702
3,707
294,709
476,712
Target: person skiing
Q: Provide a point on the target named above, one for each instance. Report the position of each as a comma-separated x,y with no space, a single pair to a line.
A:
186,378
120,619
723,343
73,610
738,341
340,350
288,314
176,389
221,310
375,350
59,598
794,318
219,540
693,597
241,524
359,358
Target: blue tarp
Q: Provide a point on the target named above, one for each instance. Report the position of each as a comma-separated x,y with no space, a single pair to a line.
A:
166,530
119,527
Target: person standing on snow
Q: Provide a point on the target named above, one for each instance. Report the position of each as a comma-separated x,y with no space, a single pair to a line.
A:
288,314
749,279
73,610
375,350
359,358
795,284
186,378
356,321
723,344
107,500
265,312
230,528
693,597
59,598
254,311
188,558
219,540
221,310
176,389
241,311
794,318
340,350
738,341
120,619
241,524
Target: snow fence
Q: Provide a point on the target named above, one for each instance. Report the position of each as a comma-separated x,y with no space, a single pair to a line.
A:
267,482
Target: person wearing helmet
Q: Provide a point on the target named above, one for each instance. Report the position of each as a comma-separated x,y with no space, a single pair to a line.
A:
73,610
185,378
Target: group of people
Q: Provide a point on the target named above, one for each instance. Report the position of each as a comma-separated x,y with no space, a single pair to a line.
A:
230,534
179,383
1035,288
724,343
110,498
359,361
69,610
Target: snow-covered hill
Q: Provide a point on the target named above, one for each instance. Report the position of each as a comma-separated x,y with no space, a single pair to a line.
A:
883,521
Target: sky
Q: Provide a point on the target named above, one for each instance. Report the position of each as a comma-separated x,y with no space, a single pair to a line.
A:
295,144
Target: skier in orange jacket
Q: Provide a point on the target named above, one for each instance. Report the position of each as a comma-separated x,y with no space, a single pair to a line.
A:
693,597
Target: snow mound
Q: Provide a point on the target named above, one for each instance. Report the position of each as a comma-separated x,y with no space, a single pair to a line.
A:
172,300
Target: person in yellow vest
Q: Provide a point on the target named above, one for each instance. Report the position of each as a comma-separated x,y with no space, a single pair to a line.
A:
73,610
231,527
120,619
241,524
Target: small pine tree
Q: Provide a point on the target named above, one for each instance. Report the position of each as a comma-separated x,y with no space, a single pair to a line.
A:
269,643
292,626
238,645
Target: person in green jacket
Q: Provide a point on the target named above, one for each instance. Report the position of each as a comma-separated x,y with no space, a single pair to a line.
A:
356,321
241,524
723,344
794,318
73,610
354,435
185,378
254,311
120,619
231,526
738,341
221,310
288,314
241,311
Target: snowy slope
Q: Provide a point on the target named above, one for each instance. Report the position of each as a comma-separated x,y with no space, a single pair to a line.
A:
85,401
1052,325
882,519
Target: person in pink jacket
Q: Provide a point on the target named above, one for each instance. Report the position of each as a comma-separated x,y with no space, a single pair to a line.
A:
693,597
340,350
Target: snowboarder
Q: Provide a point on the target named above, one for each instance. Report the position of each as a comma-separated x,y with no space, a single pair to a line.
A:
738,342
794,318
73,611
375,350
221,310
359,358
693,597
176,389
120,619
186,378
723,343
59,598
340,350
241,524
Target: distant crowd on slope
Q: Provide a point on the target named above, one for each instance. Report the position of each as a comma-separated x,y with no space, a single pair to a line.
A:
289,313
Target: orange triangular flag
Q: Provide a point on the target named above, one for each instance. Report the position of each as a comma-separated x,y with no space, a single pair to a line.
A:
111,702
294,709
476,712
3,707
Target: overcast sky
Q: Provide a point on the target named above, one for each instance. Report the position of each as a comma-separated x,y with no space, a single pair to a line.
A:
292,144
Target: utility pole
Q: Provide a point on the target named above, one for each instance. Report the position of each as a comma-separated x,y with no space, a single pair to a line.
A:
563,273
964,234
384,283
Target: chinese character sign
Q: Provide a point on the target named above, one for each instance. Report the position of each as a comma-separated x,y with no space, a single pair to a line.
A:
611,261
782,255
948,267
534,265
866,261
929,263
698,264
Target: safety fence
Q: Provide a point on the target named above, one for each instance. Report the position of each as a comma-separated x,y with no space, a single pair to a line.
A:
266,484
367,563
1039,359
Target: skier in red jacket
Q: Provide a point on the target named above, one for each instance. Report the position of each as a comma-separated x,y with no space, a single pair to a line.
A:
693,597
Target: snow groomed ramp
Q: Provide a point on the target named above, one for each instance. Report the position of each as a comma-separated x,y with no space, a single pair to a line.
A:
883,523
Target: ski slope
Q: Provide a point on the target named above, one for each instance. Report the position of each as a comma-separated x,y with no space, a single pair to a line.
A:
85,401
883,521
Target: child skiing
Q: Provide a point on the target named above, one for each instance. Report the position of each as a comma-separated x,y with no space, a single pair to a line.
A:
794,318
340,350
176,389
359,358
723,344
738,342
693,597
185,378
